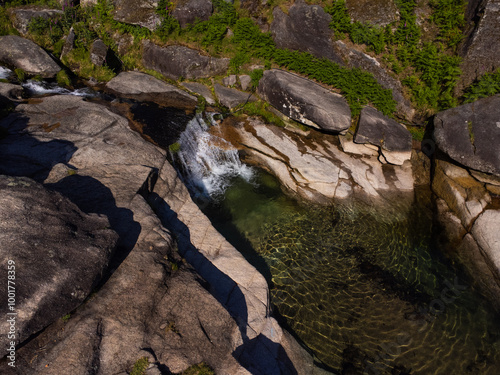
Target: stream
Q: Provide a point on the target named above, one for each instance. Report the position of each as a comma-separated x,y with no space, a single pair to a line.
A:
363,288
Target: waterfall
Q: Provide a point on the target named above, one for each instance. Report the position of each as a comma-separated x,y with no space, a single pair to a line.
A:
35,88
207,162
4,72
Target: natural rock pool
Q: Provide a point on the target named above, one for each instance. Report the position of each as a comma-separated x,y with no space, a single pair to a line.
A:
361,286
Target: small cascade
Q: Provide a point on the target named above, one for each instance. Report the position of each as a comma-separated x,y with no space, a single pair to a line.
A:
35,88
207,162
5,73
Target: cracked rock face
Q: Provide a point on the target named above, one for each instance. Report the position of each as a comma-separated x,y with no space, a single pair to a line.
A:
317,169
59,254
135,12
188,11
305,101
470,134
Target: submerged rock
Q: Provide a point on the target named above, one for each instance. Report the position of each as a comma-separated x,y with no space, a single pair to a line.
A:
143,87
22,53
305,101
470,134
393,139
59,253
179,61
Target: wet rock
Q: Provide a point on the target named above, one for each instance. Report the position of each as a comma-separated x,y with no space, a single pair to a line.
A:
188,11
304,28
470,134
143,87
305,101
179,61
393,139
487,236
136,12
315,168
360,60
200,89
231,98
23,16
481,49
378,12
57,269
22,53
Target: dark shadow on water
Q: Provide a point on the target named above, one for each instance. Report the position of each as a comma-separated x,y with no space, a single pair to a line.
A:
258,355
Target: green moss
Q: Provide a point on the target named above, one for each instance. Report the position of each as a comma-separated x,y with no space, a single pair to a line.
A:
471,132
261,109
66,318
20,74
140,366
174,147
79,61
199,369
63,78
417,132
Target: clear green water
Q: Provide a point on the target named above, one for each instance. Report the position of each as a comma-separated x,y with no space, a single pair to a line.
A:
362,287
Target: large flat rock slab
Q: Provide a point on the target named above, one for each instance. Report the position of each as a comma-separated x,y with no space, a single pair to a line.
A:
179,61
470,134
58,252
144,87
17,52
305,101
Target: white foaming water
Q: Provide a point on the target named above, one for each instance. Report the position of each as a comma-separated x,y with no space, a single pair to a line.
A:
4,72
208,162
42,88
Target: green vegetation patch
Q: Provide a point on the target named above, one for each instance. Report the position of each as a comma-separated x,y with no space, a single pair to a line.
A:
140,366
199,369
487,85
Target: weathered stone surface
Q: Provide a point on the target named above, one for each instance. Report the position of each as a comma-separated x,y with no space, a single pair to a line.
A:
23,16
314,167
60,254
69,42
470,134
188,11
17,52
305,101
142,305
98,52
487,235
11,91
245,81
304,28
231,98
229,80
200,89
482,47
393,139
360,60
378,12
143,87
465,196
348,146
137,12
179,61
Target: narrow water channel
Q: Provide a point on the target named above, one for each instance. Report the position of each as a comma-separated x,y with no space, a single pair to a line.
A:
360,286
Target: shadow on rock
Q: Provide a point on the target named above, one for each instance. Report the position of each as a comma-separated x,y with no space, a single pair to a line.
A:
259,355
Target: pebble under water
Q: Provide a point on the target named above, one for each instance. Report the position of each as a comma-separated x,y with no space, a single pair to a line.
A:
362,287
